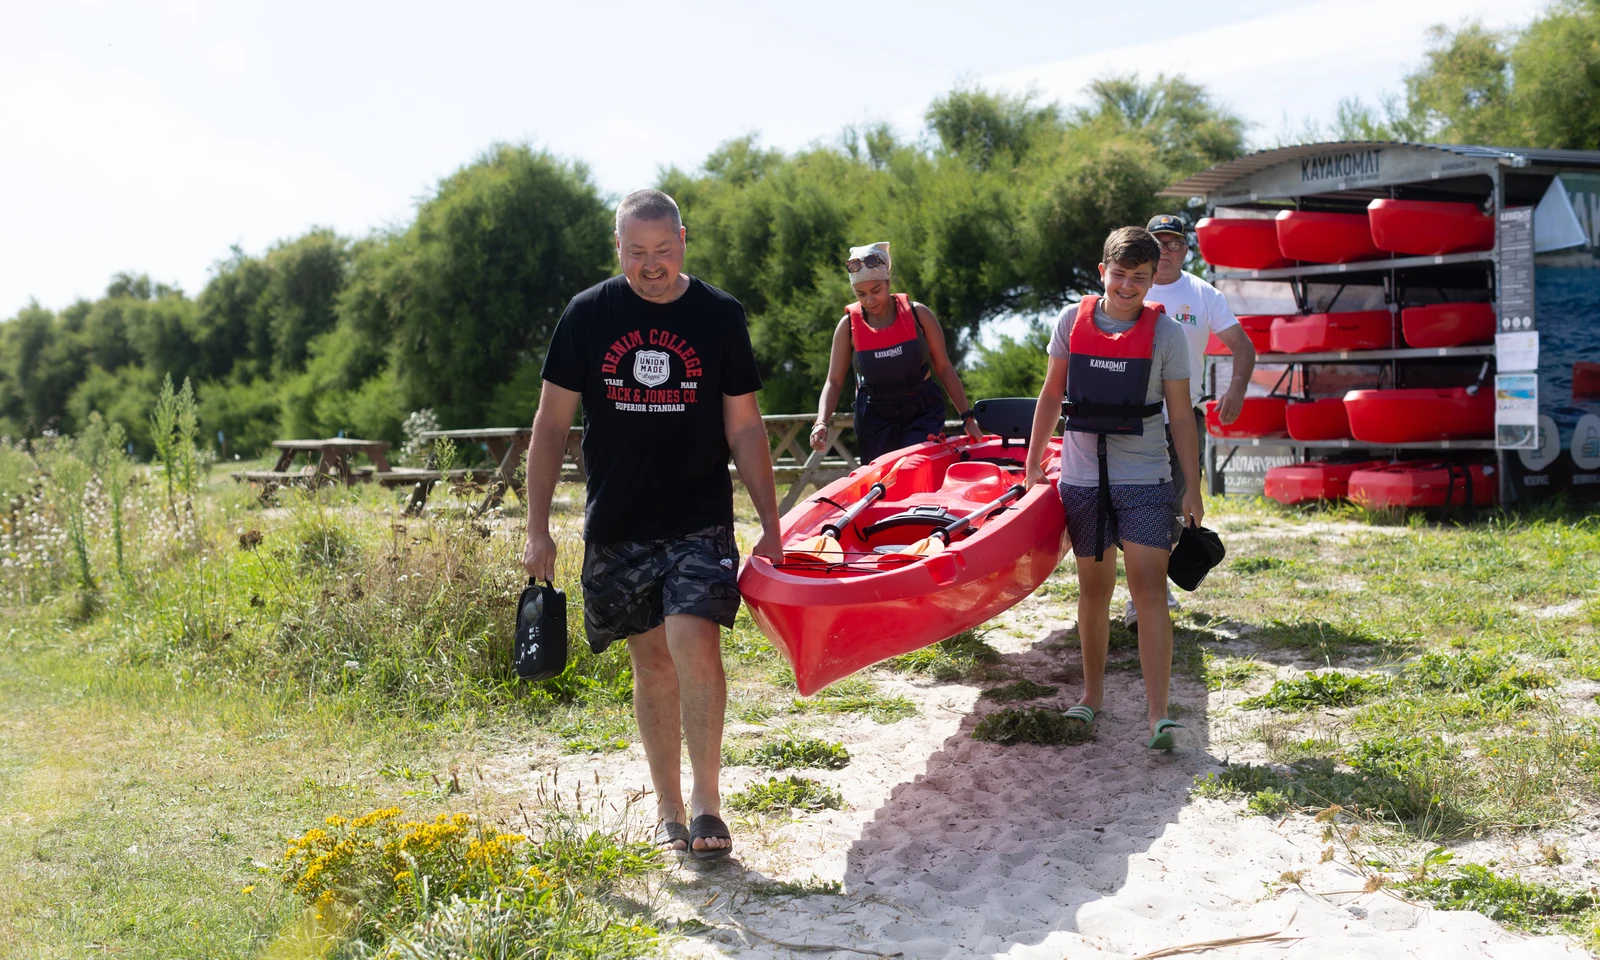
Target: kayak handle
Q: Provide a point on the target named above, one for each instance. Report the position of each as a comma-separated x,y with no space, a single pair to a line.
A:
874,493
956,526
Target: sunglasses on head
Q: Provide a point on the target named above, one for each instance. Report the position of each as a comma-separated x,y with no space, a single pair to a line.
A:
871,261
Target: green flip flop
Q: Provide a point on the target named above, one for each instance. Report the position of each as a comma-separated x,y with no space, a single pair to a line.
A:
1083,713
1163,739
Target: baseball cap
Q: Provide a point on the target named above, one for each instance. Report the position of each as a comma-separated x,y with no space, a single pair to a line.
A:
1166,223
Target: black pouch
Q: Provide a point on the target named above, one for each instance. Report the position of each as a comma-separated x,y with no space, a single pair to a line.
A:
539,647
1198,550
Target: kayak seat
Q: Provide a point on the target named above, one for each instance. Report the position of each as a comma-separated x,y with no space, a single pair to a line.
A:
975,480
1009,418
911,476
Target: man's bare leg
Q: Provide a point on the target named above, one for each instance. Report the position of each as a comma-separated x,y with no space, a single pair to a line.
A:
655,707
696,646
1147,583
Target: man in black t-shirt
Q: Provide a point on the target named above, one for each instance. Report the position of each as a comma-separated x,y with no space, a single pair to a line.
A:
662,365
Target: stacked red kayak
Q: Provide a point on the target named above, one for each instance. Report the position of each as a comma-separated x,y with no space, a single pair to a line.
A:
1429,227
1258,417
1325,237
1448,324
1313,480
1424,484
1333,332
833,618
1258,329
1318,419
1240,243
1420,416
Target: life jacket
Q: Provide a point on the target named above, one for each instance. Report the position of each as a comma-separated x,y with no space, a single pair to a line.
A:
891,362
1108,375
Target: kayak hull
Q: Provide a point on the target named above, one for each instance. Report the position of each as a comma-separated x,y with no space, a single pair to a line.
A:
1429,227
1586,380
1240,243
1257,328
1424,484
1448,324
1313,480
1325,237
1258,417
1318,420
1419,416
831,620
1333,332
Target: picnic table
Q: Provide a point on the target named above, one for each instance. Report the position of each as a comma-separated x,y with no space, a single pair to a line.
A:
330,459
507,447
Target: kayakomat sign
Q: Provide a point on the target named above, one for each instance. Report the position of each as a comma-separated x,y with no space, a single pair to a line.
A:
1354,166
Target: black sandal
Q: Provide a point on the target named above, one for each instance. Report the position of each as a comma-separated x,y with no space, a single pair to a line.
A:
669,832
709,827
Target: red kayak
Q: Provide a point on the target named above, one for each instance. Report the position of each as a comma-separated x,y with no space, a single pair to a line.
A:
1429,227
1318,420
1325,237
1259,417
1313,480
833,618
1240,243
1257,328
1333,332
1424,484
1418,416
1448,324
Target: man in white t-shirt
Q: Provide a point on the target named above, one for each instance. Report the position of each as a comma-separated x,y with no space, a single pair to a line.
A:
1201,310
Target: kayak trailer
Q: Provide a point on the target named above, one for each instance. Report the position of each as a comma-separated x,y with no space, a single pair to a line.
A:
1444,294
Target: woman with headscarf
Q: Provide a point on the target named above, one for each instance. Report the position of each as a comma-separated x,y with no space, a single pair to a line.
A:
897,348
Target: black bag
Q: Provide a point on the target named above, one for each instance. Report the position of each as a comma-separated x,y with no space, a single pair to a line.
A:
539,648
1198,550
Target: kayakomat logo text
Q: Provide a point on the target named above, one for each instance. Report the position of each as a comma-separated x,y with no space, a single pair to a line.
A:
1115,366
1348,165
651,369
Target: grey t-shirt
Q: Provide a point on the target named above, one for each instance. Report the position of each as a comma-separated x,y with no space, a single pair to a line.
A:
1131,459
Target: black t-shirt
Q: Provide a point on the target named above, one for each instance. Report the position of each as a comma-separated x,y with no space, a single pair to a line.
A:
653,376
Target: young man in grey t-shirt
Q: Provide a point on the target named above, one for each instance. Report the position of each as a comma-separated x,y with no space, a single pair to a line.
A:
1137,466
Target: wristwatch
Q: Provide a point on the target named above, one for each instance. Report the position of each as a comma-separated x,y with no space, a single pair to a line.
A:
969,414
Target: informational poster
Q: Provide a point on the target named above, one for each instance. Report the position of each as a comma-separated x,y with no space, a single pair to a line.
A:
1516,270
1516,351
1516,411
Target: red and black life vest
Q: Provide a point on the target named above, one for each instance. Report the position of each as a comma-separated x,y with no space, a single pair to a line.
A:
1108,377
892,361
1108,374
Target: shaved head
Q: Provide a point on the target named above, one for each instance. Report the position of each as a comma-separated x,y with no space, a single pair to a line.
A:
648,205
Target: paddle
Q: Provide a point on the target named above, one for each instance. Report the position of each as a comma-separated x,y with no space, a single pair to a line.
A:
827,542
936,541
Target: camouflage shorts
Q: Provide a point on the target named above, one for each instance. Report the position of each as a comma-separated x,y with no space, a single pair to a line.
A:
630,587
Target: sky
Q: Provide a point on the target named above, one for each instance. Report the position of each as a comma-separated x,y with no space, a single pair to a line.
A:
152,137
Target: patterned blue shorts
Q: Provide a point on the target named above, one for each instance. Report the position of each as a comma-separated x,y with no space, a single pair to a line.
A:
1141,513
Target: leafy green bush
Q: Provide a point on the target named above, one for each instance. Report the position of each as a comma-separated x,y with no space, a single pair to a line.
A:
1508,900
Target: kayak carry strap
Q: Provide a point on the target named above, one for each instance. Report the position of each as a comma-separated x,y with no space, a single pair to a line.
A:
1104,511
1087,408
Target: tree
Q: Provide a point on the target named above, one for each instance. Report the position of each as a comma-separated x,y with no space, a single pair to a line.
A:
482,275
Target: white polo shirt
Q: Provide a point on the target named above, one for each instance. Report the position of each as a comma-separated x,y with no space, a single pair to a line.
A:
1201,310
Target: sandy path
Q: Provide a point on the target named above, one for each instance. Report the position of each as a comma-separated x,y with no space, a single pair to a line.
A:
956,848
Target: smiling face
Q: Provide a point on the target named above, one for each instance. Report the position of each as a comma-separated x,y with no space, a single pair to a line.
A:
1171,264
651,255
873,295
1126,287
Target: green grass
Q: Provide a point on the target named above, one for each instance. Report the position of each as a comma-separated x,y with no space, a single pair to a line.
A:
1222,673
1038,725
786,753
1330,689
964,655
857,695
1533,907
777,795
